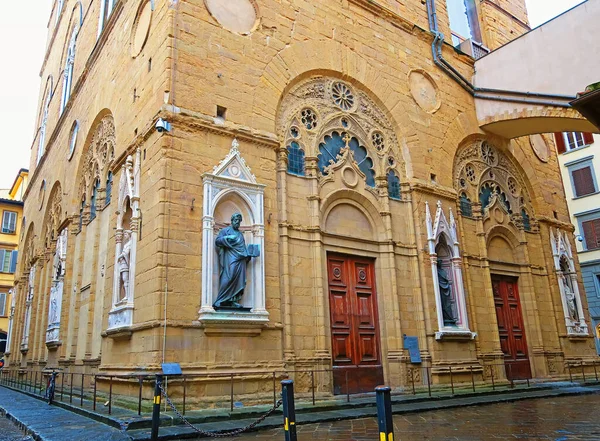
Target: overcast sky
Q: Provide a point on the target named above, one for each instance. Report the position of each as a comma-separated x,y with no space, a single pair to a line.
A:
24,40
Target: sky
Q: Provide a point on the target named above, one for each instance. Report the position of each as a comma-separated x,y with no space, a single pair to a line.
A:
22,61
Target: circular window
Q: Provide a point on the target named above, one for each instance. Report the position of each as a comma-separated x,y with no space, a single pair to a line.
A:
294,132
309,118
73,139
488,154
141,28
238,16
342,96
378,141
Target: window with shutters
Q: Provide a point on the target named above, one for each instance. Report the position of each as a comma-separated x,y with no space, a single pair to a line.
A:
567,141
591,233
3,297
582,177
5,260
9,222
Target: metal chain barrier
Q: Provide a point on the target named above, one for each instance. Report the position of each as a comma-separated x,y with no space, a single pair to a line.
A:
220,434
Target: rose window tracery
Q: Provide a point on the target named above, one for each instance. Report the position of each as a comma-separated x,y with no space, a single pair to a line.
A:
342,96
318,113
484,173
309,118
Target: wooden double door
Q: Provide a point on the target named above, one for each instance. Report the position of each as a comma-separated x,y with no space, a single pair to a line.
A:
355,341
511,327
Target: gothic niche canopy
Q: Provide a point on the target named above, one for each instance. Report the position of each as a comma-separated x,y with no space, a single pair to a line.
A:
485,174
564,266
339,125
446,270
233,259
126,237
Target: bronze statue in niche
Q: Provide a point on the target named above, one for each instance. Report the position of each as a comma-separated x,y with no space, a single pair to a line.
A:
233,258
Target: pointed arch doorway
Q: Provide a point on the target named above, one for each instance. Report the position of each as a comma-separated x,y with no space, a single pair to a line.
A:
355,343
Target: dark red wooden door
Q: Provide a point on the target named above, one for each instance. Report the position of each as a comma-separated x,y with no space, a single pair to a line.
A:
354,325
511,327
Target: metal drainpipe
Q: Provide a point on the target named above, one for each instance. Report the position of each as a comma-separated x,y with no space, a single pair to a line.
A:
480,93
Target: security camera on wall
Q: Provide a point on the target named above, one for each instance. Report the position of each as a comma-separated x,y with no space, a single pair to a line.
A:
579,238
162,126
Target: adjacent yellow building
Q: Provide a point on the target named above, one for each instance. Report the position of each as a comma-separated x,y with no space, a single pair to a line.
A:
11,210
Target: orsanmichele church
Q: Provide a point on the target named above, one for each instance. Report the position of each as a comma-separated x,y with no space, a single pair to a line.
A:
262,185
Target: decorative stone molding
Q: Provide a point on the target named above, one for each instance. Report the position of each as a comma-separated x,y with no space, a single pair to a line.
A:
28,306
11,318
98,156
444,251
120,315
229,188
487,175
564,265
56,290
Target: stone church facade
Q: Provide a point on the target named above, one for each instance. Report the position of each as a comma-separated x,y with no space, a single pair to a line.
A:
379,206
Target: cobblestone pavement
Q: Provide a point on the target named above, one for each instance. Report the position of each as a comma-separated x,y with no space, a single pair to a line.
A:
558,419
10,432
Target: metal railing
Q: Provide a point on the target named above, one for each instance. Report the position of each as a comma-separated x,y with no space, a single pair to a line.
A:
133,393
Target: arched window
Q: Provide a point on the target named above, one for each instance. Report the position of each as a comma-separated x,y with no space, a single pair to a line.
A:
59,7
68,73
526,220
106,8
331,147
393,185
295,159
466,208
73,140
81,211
42,136
94,199
109,181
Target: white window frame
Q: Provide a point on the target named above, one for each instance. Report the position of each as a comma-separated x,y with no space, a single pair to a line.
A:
4,264
3,298
578,143
42,140
68,73
6,222
104,4
59,8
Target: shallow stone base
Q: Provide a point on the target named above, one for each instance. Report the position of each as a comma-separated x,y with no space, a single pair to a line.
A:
233,322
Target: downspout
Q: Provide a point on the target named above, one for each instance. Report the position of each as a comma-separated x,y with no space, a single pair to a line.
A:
482,92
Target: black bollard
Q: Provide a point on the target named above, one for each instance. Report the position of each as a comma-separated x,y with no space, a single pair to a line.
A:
384,413
289,411
156,409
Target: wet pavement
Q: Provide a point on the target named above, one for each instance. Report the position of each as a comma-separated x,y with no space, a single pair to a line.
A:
557,418
10,432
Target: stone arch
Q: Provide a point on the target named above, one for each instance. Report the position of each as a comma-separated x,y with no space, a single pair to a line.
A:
238,201
54,216
96,156
360,202
523,121
28,252
302,60
501,245
471,171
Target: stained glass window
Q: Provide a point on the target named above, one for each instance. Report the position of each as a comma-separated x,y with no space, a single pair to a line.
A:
295,159
526,220
393,185
466,209
330,148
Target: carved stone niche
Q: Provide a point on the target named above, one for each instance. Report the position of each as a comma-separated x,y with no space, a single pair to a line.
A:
120,316
231,188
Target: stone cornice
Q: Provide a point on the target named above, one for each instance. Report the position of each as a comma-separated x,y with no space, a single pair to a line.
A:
435,190
556,223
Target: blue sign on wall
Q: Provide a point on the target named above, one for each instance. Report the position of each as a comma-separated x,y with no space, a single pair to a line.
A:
171,369
412,344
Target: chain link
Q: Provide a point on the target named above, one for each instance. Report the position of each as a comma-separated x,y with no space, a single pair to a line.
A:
220,434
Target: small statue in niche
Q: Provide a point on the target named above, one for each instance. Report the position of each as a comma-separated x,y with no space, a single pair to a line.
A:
446,296
570,297
123,262
233,257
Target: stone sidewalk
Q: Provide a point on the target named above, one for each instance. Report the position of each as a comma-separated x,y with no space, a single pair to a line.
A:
52,423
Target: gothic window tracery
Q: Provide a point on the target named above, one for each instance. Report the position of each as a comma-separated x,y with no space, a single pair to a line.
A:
393,185
68,71
96,162
108,191
44,121
484,173
319,113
